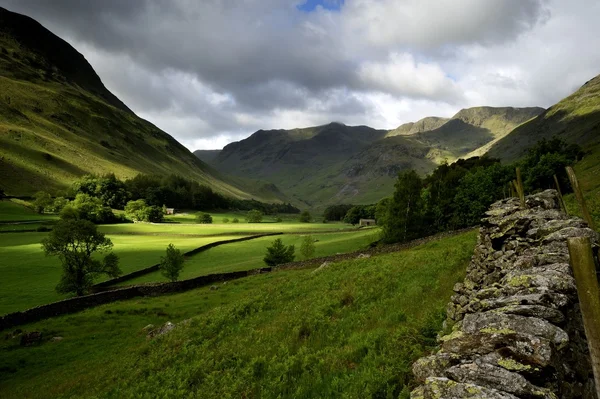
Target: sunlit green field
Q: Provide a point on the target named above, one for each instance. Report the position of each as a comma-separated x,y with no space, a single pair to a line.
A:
11,211
249,255
29,277
351,330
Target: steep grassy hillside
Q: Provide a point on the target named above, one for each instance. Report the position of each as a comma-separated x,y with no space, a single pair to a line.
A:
337,163
351,330
58,121
576,119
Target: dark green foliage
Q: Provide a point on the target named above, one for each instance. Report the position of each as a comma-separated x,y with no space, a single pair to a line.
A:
336,213
74,241
358,212
546,159
381,211
254,216
441,187
204,218
88,208
139,211
235,220
404,220
307,249
110,190
279,253
57,205
225,220
42,200
172,264
177,192
477,191
305,217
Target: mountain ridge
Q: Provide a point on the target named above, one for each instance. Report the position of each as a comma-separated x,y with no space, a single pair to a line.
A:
340,163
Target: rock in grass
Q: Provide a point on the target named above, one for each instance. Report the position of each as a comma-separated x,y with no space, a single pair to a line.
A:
164,329
323,266
31,338
56,339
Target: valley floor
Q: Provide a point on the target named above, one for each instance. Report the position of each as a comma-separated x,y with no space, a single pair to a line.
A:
349,330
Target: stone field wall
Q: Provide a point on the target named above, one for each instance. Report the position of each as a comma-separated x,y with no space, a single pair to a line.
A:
513,327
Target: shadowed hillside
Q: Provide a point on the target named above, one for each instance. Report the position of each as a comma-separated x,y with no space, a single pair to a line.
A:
336,163
58,121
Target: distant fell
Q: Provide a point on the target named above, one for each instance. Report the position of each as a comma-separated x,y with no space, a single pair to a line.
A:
335,163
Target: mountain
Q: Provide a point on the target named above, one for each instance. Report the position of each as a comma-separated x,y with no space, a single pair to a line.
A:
336,163
58,121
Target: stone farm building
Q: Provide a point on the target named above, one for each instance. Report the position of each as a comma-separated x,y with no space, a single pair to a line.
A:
367,222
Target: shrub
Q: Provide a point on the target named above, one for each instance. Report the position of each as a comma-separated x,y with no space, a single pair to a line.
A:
307,249
235,220
279,253
172,264
225,220
138,211
305,217
254,216
204,218
42,200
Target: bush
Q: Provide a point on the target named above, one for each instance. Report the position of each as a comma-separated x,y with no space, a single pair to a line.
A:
172,264
139,211
278,220
305,217
42,200
57,205
254,216
235,220
307,249
278,253
204,218
225,220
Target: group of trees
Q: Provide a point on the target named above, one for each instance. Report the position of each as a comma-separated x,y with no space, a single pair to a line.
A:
457,195
144,198
349,213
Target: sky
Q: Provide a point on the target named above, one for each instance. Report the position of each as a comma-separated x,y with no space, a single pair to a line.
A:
210,72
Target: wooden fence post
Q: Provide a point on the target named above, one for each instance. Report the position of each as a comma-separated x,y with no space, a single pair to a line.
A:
579,195
584,269
520,188
560,196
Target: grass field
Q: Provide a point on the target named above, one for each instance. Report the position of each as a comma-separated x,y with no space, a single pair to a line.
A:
11,211
29,277
351,330
249,255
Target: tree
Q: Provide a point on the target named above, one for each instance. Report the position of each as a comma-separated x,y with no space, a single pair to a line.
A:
58,204
305,217
171,264
42,200
307,249
139,211
254,216
74,241
235,220
279,253
404,218
204,218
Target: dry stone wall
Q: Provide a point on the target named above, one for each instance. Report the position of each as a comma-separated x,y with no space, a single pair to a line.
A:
513,328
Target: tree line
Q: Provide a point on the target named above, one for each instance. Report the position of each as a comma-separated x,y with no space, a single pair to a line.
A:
144,198
457,195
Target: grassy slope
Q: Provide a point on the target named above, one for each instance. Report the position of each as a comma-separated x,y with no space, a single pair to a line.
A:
351,330
575,119
58,122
